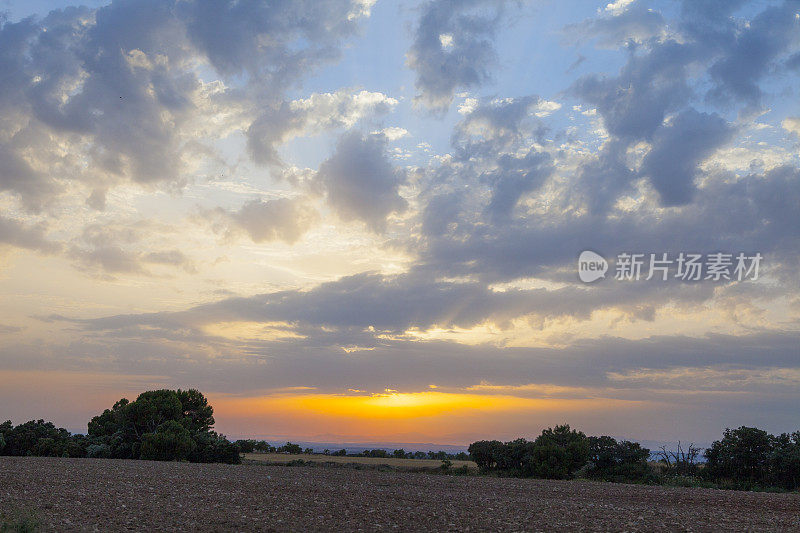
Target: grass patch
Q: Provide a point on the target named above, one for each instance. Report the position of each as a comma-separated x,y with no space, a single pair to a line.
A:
19,521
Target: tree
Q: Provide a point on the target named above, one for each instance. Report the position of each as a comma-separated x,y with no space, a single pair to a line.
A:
559,452
264,447
246,445
127,425
618,461
171,441
742,456
291,448
37,437
784,461
197,414
486,453
214,448
680,462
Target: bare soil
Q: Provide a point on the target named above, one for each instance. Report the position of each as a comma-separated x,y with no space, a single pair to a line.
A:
117,495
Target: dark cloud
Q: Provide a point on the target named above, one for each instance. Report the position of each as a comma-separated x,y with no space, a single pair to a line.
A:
32,237
655,367
453,48
634,103
360,181
262,38
755,213
678,148
661,80
754,51
514,177
495,126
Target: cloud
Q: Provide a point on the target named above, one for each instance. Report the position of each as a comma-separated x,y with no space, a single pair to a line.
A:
115,95
792,125
113,248
310,116
360,182
16,233
453,48
514,177
622,24
284,219
634,103
678,149
753,52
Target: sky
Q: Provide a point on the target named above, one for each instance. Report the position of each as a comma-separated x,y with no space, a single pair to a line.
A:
360,220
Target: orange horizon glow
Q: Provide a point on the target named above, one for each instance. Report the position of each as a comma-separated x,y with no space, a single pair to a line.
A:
302,413
444,417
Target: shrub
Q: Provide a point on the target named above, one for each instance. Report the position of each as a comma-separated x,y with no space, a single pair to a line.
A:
214,448
98,451
19,522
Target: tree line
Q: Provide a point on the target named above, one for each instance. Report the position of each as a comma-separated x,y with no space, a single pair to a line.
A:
745,458
163,425
262,446
177,425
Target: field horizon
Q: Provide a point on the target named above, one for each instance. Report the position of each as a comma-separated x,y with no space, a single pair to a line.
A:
62,494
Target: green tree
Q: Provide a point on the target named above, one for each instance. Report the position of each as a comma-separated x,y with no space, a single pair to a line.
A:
741,456
198,415
214,448
171,441
290,447
127,425
784,461
559,452
486,453
619,461
246,445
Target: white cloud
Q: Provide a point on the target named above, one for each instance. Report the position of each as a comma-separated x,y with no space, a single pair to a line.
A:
618,7
792,124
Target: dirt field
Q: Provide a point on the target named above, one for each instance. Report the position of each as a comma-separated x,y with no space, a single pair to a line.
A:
400,464
113,495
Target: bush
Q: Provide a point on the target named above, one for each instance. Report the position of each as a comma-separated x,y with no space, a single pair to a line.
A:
19,522
561,451
98,451
214,448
